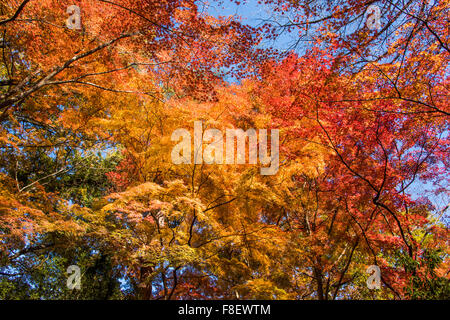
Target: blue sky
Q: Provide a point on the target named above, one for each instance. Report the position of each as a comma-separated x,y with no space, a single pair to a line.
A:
251,13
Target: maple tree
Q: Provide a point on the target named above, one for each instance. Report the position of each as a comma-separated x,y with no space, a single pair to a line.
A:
87,179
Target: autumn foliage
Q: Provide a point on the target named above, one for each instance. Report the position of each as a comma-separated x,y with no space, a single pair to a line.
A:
87,179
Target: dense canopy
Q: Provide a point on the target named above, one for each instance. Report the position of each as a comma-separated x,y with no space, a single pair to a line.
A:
87,176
